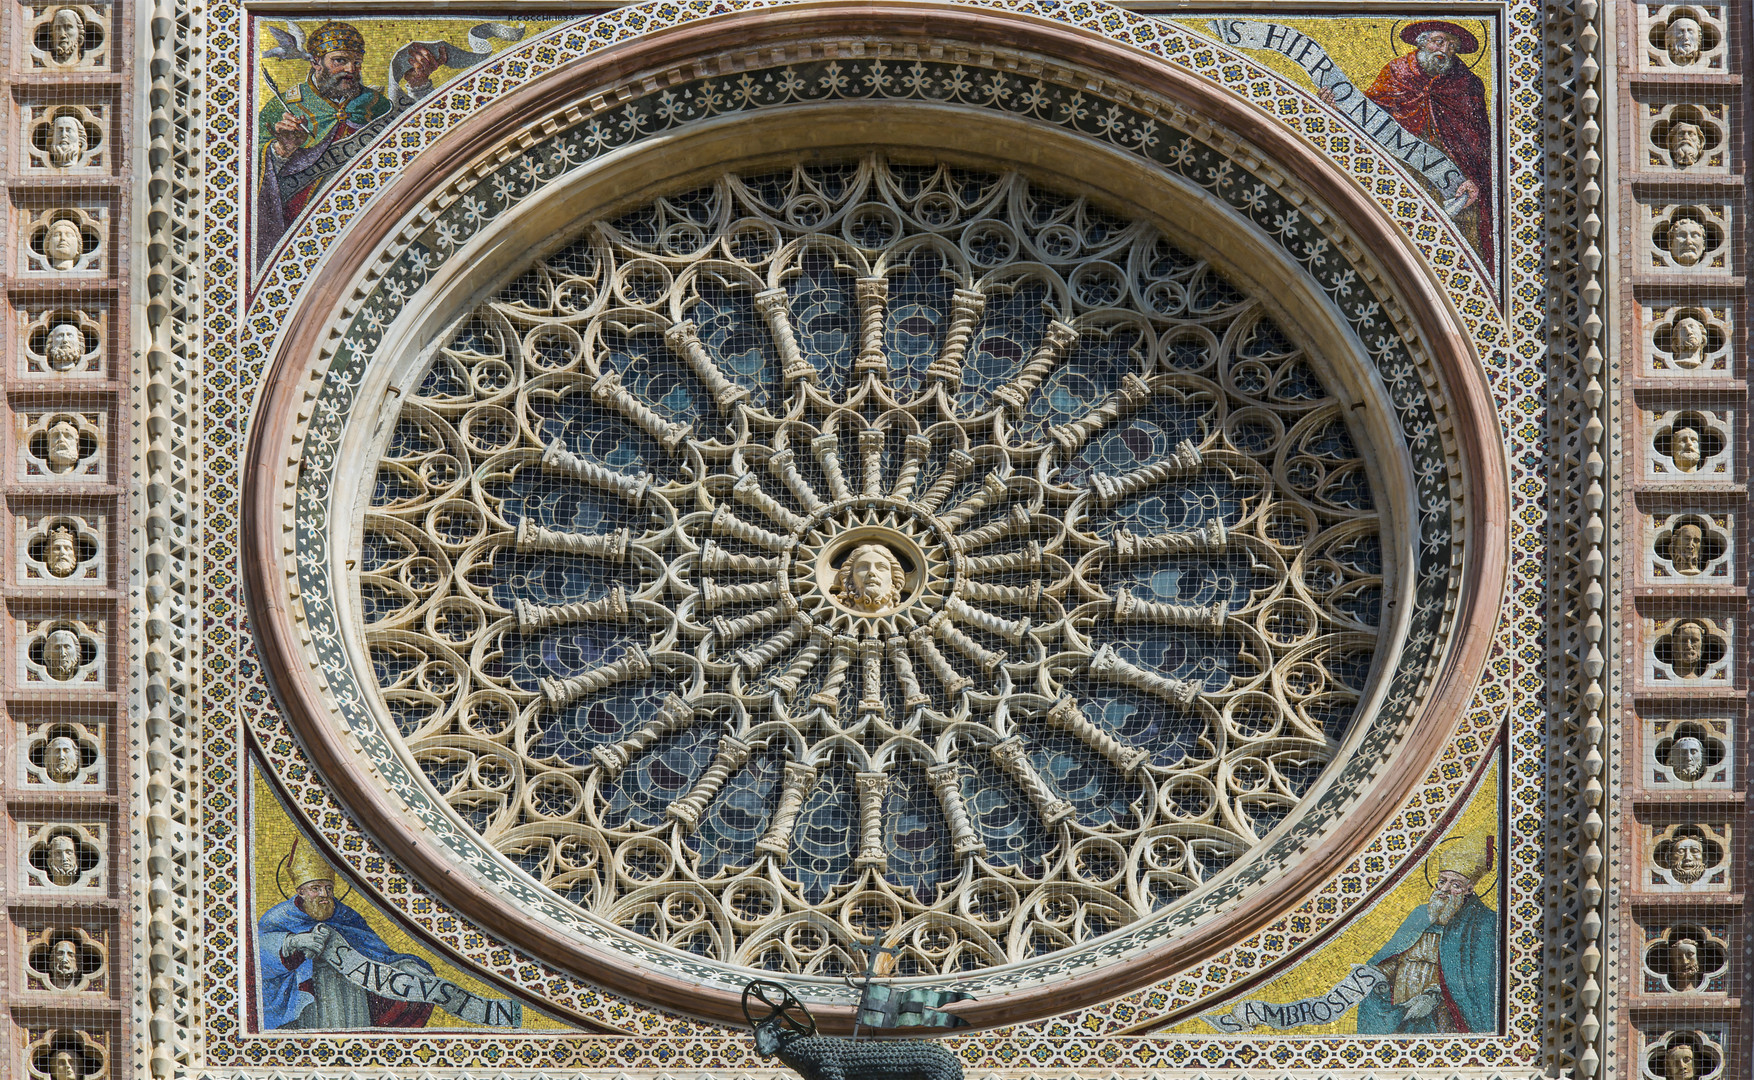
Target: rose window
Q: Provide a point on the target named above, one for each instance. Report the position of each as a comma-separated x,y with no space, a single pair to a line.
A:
871,552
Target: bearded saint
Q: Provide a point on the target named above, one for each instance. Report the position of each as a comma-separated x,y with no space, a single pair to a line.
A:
1441,966
306,134
1432,94
298,989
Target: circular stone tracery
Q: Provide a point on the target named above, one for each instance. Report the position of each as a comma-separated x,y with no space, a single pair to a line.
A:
613,574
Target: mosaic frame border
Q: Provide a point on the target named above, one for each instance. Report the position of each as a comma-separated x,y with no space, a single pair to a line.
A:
1520,408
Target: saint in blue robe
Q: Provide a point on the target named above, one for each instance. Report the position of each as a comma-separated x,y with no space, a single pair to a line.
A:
1467,956
291,982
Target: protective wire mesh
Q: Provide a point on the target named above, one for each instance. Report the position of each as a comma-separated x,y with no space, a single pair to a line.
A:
871,551
1684,152
68,169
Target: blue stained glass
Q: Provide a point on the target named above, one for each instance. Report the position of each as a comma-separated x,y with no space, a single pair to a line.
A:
736,818
595,433
1015,318
1096,790
1004,818
1185,504
649,371
548,577
567,506
827,835
1208,658
915,836
919,310
1141,720
468,521
1089,372
1231,577
658,777
1147,436
825,313
557,652
737,337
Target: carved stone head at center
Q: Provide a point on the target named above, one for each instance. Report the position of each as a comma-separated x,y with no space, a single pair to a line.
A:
1687,242
1684,449
61,654
1689,342
1683,41
62,554
1687,549
1688,650
63,860
62,760
1687,864
1684,964
67,141
66,345
66,36
64,245
64,964
1678,1063
1686,144
871,580
1687,758
63,446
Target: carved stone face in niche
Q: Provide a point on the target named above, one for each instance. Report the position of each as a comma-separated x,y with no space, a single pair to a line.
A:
1683,39
61,655
1684,449
64,245
1678,1063
1686,145
1688,342
66,141
1688,861
871,580
1684,964
66,36
61,760
1687,242
63,860
62,556
1688,647
61,1067
1687,758
64,964
1687,549
63,446
64,347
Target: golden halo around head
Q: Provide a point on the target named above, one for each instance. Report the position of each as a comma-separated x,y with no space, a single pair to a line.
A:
1474,860
301,867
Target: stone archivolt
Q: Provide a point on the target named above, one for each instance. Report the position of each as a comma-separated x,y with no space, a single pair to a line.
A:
871,550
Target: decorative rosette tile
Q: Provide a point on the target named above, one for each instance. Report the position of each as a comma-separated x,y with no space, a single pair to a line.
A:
871,551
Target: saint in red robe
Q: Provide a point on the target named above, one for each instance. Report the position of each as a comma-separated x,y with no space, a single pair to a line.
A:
1449,112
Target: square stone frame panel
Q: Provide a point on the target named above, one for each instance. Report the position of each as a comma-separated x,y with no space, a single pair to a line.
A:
1485,490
